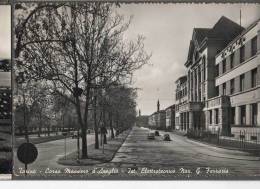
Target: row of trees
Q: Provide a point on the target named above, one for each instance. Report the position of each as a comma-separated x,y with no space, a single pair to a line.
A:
75,54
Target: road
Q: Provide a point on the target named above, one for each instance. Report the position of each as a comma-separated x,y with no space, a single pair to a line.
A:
49,153
184,156
140,158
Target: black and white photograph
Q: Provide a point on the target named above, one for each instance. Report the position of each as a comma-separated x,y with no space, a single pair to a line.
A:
136,91
5,93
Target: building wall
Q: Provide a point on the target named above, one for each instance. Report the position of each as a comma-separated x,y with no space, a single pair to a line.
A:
247,98
170,118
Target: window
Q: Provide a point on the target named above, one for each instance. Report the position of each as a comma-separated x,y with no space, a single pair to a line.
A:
254,114
217,70
216,118
242,82
224,89
224,66
232,60
243,115
254,77
210,117
232,86
217,90
242,54
254,46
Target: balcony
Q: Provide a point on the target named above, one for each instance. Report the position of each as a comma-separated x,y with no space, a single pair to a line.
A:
191,106
217,102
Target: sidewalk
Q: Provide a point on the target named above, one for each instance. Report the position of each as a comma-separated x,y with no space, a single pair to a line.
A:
225,152
96,156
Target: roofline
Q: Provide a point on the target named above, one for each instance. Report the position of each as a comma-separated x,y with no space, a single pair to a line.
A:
170,107
181,77
239,36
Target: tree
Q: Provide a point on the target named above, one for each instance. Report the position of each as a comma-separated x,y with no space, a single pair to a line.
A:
121,106
76,48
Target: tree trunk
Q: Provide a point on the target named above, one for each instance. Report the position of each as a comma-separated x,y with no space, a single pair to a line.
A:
40,126
83,129
111,126
104,125
85,125
95,124
48,127
105,139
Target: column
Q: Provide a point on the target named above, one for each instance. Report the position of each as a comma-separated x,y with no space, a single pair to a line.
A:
195,86
187,118
187,121
190,120
188,84
181,122
237,116
197,78
248,114
183,119
191,86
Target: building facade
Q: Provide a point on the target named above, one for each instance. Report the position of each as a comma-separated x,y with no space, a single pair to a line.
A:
238,85
158,119
181,98
170,118
205,44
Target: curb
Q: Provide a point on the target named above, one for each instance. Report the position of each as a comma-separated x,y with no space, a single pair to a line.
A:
246,159
98,161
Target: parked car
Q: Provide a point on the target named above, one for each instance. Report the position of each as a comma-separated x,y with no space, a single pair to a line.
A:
75,134
166,137
157,133
151,136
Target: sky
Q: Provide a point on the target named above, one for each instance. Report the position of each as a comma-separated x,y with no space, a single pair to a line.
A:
167,29
5,31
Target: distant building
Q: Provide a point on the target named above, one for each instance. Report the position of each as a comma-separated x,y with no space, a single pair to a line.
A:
180,99
161,119
152,120
158,119
170,118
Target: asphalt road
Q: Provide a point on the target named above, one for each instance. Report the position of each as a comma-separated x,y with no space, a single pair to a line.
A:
141,158
185,157
49,153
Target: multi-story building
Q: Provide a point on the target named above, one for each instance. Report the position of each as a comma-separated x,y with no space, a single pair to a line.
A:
181,98
206,43
236,107
158,119
170,118
151,120
161,119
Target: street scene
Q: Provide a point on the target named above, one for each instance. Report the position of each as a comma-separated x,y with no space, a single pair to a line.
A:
5,93
140,157
131,91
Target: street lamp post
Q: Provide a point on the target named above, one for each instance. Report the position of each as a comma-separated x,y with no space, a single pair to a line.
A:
20,80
